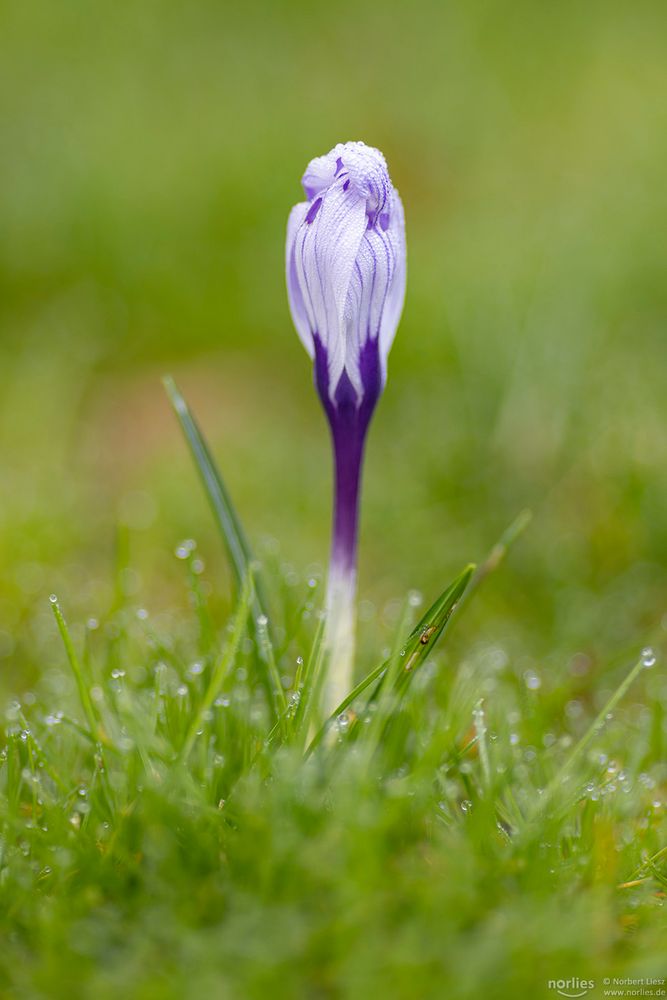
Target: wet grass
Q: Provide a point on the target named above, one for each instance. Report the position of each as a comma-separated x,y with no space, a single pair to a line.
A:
175,825
150,156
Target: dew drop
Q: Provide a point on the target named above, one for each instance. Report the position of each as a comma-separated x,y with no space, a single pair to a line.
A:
184,549
532,680
648,657
343,722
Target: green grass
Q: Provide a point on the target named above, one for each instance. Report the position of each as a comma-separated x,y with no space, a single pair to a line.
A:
150,155
173,828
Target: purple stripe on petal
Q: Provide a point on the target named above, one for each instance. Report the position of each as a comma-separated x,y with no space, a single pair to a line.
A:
313,210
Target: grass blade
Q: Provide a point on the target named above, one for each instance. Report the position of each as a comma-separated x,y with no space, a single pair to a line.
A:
424,636
596,727
419,644
81,685
240,554
231,529
221,668
313,677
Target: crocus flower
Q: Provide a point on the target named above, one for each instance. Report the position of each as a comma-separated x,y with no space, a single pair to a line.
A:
346,273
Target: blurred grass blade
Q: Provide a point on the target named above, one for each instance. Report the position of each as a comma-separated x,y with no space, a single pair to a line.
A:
597,725
498,553
502,546
82,683
238,548
221,669
399,669
311,688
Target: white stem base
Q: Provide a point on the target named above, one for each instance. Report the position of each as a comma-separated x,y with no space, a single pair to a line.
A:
339,639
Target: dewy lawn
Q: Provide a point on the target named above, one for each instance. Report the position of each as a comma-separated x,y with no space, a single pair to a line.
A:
206,788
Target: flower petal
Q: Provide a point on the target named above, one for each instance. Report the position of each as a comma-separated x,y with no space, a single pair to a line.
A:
320,173
346,270
393,306
325,254
294,294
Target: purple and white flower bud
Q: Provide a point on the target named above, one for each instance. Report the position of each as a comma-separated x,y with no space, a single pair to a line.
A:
346,270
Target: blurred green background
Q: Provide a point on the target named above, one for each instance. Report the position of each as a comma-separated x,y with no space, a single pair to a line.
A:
150,153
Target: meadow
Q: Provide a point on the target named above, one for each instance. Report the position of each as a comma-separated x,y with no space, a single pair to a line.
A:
499,820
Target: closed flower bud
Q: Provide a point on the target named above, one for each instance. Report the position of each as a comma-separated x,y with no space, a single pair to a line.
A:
346,270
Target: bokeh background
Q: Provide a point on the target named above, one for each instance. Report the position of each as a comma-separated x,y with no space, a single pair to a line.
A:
150,153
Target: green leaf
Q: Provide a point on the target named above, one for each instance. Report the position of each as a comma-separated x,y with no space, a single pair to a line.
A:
431,626
231,529
83,683
234,537
221,669
398,670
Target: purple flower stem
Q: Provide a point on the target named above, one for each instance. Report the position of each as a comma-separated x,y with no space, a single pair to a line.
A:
349,418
